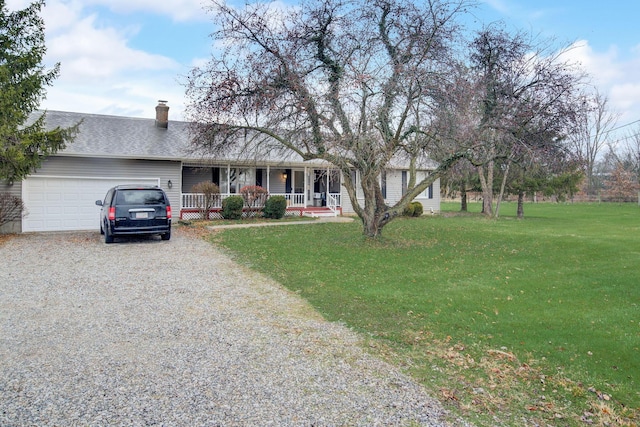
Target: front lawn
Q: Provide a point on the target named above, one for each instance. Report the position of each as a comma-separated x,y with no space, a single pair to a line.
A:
507,321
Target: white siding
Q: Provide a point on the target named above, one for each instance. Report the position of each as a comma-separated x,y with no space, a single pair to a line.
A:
110,168
15,190
347,207
277,184
432,204
394,193
394,186
71,177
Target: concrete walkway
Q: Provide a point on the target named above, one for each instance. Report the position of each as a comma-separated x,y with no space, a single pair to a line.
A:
267,224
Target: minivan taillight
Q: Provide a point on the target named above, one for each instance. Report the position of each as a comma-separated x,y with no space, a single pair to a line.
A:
168,212
112,213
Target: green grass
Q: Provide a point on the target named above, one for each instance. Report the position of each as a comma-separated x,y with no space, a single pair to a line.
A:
535,319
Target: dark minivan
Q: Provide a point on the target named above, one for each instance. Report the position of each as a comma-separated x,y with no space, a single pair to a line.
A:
130,210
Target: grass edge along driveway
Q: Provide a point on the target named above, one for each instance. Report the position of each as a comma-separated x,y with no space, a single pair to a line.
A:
508,321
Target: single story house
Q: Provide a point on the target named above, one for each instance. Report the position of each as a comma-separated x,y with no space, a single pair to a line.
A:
112,150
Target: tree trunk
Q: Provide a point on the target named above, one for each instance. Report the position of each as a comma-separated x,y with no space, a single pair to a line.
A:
486,182
373,215
463,200
520,204
502,187
370,227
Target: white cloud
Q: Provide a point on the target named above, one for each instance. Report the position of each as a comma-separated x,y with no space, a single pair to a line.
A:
199,62
100,71
626,95
178,10
499,5
604,67
87,52
17,4
134,98
60,15
613,76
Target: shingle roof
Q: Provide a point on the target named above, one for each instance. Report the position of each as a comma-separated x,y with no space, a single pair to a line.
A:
138,138
123,137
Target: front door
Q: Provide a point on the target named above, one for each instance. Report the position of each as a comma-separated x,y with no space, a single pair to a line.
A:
325,182
320,187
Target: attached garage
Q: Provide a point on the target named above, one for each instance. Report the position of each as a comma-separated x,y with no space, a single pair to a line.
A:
60,195
59,203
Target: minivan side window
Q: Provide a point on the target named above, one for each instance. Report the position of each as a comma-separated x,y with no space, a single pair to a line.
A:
108,198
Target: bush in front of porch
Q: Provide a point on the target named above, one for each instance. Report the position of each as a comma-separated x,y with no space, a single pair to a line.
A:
232,207
275,207
210,196
254,196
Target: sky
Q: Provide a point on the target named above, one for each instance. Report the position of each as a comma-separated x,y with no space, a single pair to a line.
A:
119,57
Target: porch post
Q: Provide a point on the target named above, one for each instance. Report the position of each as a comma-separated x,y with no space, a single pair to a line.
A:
326,195
306,187
268,180
228,179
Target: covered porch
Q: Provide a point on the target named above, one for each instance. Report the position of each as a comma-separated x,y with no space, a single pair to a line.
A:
312,191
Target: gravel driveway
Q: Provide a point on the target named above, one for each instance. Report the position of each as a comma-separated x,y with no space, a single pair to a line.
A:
147,332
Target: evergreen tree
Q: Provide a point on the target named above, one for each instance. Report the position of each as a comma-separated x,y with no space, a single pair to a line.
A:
24,142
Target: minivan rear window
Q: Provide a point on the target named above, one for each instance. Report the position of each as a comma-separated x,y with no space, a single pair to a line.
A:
140,197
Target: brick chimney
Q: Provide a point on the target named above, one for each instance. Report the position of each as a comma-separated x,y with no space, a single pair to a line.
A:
162,114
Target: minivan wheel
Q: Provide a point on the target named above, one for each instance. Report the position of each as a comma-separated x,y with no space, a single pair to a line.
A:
108,237
165,236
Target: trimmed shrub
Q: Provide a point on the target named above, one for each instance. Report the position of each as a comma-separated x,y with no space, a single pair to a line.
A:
413,209
210,197
232,207
254,196
417,208
275,207
408,210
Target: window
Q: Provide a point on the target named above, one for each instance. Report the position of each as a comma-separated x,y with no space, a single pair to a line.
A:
140,197
236,178
298,182
383,183
334,181
404,182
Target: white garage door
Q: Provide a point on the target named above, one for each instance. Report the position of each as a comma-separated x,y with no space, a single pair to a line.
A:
57,203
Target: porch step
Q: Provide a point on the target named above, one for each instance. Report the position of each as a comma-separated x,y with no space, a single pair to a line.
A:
319,212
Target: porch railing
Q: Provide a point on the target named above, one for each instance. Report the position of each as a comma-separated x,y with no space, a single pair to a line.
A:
196,200
333,201
293,199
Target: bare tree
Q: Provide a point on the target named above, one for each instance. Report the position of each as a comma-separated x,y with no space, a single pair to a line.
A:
351,83
459,181
622,185
11,208
630,152
633,154
591,135
525,102
456,118
626,155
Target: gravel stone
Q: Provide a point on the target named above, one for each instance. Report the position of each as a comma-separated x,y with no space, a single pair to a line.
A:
146,332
